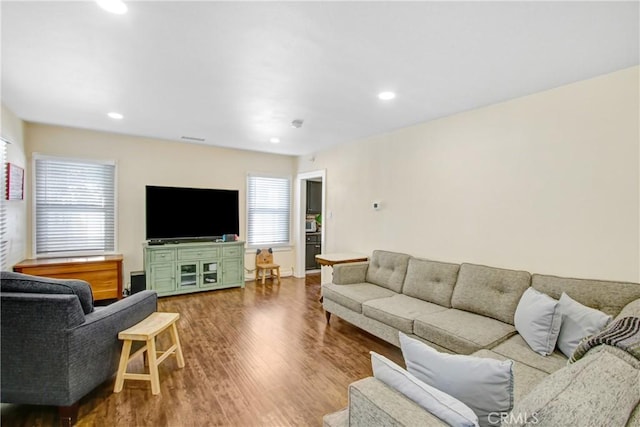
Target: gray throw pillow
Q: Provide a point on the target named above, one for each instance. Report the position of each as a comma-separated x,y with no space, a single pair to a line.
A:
440,404
484,385
537,320
578,322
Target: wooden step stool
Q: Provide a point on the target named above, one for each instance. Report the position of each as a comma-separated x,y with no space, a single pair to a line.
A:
147,330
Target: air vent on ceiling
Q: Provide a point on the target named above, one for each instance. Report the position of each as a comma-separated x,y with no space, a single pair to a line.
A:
192,138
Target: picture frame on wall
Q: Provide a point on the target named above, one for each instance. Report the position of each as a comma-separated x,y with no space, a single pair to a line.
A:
15,182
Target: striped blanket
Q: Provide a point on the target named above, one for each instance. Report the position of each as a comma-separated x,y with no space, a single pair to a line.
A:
624,333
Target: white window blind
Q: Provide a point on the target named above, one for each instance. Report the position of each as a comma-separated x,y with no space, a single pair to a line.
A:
74,206
268,210
4,243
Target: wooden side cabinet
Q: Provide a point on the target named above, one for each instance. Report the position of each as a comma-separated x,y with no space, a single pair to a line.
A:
104,273
180,268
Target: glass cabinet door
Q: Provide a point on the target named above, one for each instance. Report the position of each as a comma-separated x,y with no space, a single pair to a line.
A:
209,274
188,275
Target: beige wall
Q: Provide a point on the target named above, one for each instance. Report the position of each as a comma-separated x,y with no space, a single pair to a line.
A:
142,161
13,131
548,183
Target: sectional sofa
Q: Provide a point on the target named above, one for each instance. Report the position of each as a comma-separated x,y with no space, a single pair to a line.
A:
469,309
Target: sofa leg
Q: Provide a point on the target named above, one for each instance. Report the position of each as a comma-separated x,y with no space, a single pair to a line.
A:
68,415
328,315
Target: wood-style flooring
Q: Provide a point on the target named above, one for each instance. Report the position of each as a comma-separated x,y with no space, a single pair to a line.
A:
258,356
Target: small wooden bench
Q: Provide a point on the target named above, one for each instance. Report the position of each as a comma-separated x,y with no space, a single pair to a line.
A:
147,330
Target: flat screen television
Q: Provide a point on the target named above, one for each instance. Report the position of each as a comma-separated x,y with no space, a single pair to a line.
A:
180,213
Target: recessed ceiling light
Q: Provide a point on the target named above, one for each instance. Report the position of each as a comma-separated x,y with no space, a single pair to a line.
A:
274,140
385,96
116,116
114,6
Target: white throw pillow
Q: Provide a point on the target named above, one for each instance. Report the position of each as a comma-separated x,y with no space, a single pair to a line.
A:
578,322
538,320
440,404
484,385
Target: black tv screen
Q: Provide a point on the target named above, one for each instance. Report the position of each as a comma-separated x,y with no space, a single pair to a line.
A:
178,213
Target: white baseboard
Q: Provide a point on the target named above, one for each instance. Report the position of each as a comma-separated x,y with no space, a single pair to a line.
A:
284,272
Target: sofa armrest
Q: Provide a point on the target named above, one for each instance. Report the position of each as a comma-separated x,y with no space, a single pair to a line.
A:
631,309
140,303
373,403
350,273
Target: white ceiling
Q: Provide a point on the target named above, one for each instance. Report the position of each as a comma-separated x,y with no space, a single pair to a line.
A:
238,73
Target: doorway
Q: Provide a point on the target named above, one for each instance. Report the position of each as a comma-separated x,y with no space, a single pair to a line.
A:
311,227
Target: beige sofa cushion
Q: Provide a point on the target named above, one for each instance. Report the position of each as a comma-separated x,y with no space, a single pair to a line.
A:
430,281
517,349
606,296
352,296
399,311
599,390
489,291
387,269
525,378
460,331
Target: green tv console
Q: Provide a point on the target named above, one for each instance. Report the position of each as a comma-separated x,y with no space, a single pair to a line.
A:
180,268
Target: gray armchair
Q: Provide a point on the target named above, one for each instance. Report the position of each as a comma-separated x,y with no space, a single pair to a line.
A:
55,345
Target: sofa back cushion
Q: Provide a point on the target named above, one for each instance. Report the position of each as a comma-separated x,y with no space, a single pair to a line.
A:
26,283
387,269
606,296
489,291
430,281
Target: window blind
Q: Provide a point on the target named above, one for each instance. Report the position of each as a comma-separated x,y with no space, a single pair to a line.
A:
74,206
268,210
4,243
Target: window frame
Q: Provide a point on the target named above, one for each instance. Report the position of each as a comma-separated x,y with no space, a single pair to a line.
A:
34,214
251,247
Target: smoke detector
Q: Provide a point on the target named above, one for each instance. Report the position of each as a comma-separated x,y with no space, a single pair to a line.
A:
297,123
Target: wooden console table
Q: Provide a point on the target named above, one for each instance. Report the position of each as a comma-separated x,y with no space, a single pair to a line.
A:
104,273
340,258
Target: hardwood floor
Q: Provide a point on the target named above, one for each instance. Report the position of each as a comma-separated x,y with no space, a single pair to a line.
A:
259,356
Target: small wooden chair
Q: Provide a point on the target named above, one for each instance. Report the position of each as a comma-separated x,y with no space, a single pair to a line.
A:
264,263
